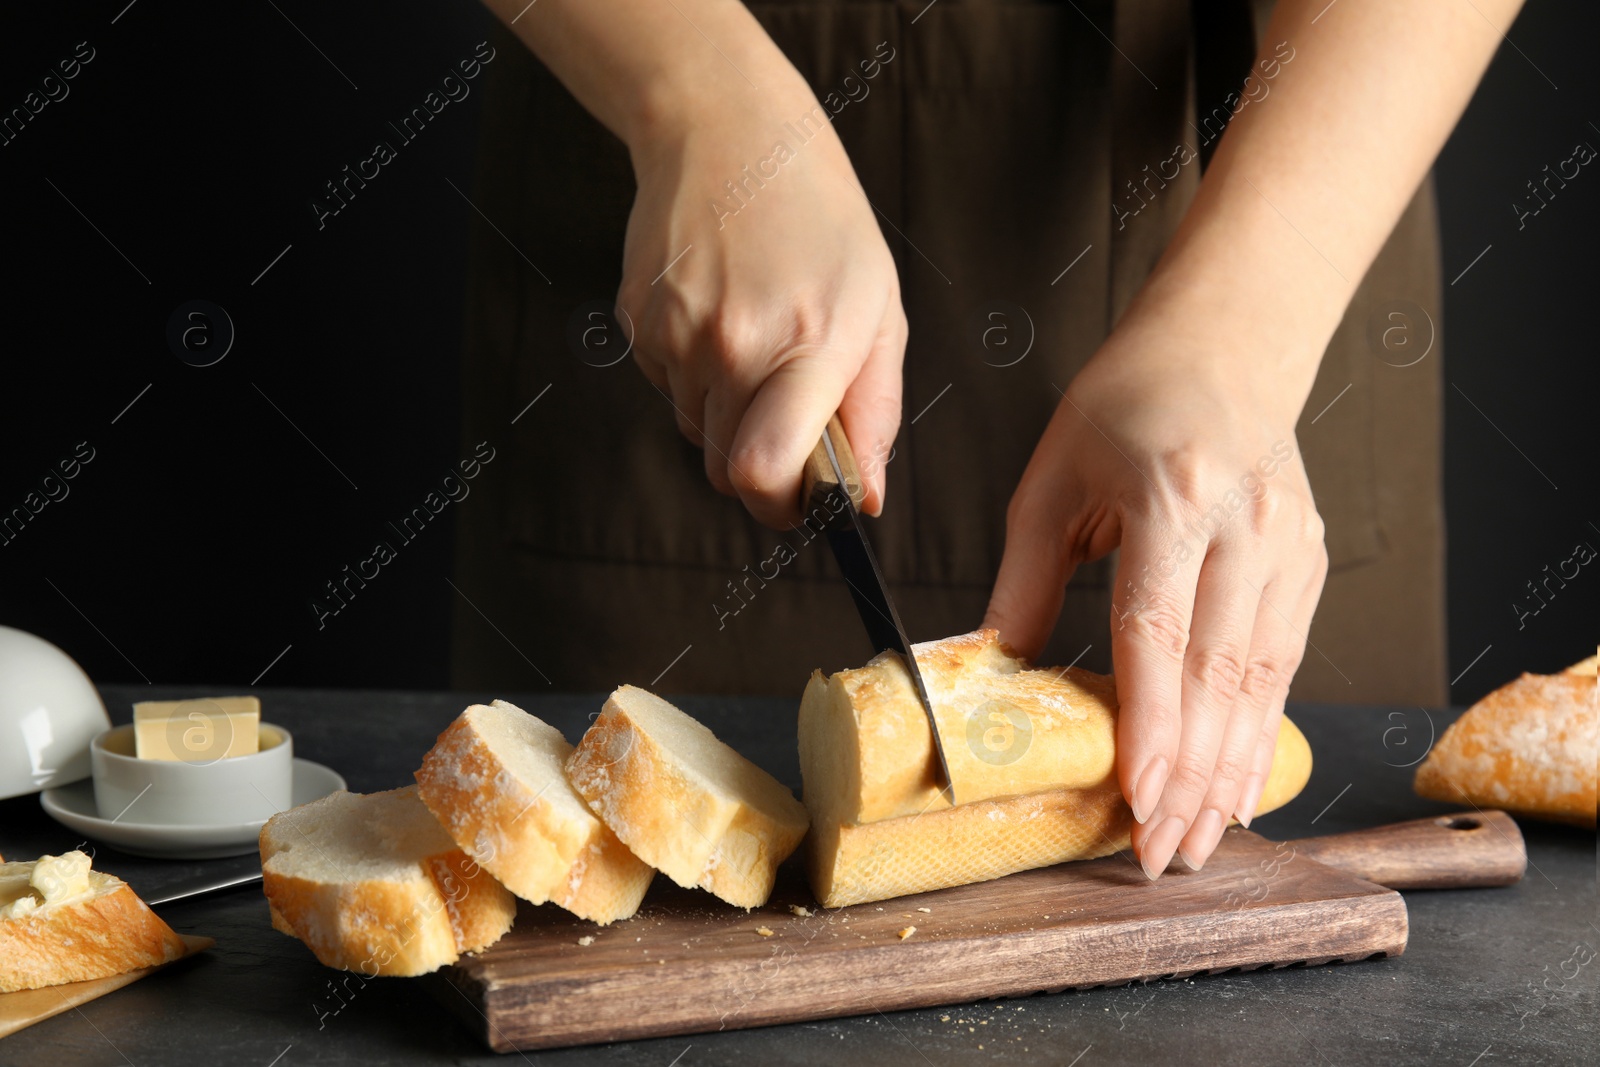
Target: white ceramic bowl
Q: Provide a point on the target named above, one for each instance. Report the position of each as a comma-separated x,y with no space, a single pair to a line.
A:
49,712
237,789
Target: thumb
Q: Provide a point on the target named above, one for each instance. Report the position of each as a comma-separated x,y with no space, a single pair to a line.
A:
1032,582
783,423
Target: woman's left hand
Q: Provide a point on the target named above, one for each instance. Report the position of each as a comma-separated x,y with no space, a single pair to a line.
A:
1175,451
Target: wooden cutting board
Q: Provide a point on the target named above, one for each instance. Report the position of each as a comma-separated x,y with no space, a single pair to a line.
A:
688,963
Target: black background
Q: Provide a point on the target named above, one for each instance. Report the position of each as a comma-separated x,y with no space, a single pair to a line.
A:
217,505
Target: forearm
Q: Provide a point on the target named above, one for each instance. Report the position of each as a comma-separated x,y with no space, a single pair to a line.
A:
1310,179
640,66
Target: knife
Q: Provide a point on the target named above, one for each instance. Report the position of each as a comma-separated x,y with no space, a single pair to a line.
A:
831,491
202,884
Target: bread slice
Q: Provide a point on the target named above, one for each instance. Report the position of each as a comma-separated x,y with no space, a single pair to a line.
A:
880,826
1529,747
62,922
372,883
683,801
496,780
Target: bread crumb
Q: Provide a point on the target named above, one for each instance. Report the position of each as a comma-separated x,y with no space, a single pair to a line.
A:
907,932
801,910
585,940
763,931
944,1018
926,911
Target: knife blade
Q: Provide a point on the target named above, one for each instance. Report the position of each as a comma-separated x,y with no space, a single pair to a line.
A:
832,489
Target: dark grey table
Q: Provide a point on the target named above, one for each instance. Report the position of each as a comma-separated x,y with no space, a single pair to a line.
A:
1489,977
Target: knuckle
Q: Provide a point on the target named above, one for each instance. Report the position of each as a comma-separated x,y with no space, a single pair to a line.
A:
733,335
1310,528
1157,620
1189,779
756,470
1218,672
1228,777
1186,476
1266,673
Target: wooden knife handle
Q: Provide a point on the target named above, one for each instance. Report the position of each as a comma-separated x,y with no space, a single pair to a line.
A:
1466,850
817,481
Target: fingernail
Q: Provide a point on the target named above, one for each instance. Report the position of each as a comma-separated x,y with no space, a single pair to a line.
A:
1160,845
1249,799
1202,841
1147,788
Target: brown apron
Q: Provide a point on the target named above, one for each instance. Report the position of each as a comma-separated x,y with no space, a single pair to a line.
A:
993,142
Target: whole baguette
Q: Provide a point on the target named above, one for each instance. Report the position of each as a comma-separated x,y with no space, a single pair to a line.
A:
106,931
1529,747
861,752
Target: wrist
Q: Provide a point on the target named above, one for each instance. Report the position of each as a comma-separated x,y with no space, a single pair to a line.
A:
1240,287
676,101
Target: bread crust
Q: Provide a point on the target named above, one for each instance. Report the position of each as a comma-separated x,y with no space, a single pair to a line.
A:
672,820
440,905
868,725
539,850
110,932
1006,729
1529,747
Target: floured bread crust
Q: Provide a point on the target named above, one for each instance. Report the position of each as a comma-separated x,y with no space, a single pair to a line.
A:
1529,747
372,884
683,801
1035,789
1007,729
530,830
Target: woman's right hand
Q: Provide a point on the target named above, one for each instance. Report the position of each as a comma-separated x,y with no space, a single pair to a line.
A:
761,293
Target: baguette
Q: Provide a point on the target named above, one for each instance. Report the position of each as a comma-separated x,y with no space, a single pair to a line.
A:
371,883
497,783
683,801
1529,747
62,922
1036,781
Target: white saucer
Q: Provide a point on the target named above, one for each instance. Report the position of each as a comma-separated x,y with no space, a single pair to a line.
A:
73,807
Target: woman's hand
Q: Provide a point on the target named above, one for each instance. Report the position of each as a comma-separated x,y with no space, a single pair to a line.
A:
762,294
1182,458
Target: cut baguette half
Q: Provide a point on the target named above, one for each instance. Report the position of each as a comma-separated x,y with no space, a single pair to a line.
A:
371,883
1529,747
683,801
496,780
62,922
881,827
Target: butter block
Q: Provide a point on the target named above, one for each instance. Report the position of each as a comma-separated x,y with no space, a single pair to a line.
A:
197,731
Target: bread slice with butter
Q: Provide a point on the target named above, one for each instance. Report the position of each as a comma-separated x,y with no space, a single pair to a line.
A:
61,921
496,780
371,883
1032,753
683,801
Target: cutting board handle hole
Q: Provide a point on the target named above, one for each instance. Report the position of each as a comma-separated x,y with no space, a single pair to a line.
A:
1459,822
